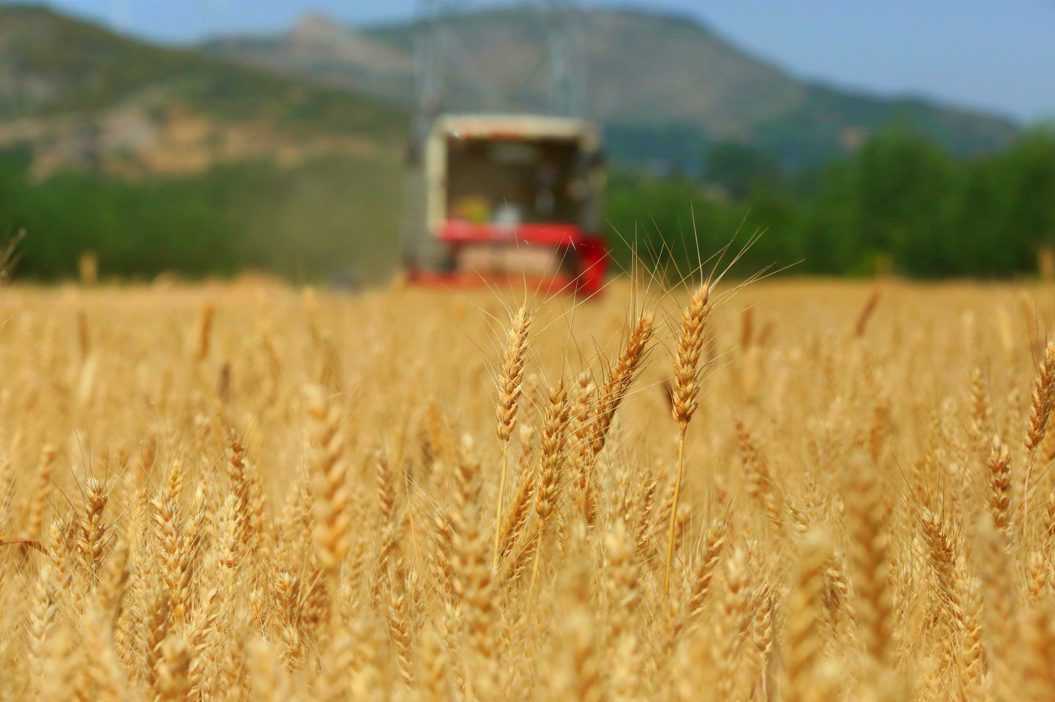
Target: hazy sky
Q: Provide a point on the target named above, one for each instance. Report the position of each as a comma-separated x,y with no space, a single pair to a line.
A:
993,54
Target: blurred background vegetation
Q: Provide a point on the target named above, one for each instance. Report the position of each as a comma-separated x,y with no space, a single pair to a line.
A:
330,219
285,153
900,204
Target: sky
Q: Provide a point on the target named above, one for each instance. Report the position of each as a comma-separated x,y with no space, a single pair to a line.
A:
997,55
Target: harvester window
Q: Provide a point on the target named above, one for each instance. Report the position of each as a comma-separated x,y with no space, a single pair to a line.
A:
514,181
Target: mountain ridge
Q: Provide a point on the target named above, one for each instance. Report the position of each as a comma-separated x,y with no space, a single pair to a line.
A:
83,95
645,69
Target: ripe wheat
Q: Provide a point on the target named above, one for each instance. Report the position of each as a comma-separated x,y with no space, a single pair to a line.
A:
239,492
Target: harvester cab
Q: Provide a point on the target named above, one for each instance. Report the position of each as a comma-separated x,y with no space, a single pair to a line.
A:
507,199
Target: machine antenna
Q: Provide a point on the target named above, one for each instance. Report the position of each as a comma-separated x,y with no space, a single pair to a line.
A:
566,65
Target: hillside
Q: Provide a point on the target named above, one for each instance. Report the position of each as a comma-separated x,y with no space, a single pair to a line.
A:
84,95
112,144
649,76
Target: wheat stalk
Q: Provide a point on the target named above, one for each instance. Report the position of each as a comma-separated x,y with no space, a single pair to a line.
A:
554,437
510,386
686,390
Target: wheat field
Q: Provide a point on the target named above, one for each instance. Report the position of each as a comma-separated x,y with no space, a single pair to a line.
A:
788,491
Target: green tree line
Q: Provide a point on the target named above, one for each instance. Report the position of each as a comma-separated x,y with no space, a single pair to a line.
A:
898,203
332,218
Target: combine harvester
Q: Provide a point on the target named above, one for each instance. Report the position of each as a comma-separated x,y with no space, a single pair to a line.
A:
504,199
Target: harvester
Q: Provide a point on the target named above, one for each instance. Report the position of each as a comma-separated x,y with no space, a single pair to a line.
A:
509,199
497,198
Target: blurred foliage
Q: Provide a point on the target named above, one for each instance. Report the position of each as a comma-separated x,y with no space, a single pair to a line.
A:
330,218
739,167
901,202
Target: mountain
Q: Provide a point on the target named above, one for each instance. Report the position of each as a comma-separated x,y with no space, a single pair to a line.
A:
659,83
113,144
84,95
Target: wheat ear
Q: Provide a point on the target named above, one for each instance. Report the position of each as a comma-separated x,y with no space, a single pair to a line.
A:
869,551
332,493
684,400
510,385
617,384
554,437
90,541
805,616
999,498
1039,414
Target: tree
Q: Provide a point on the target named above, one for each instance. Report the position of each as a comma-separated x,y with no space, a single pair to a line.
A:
1028,173
738,168
906,194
